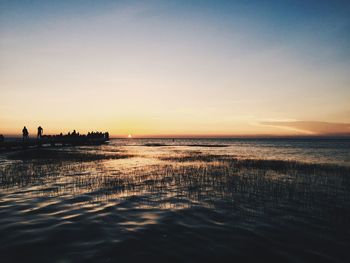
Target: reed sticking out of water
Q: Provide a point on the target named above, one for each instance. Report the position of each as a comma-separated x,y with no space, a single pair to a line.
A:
65,155
249,186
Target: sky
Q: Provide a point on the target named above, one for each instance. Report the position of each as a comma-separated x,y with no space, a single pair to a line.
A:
175,68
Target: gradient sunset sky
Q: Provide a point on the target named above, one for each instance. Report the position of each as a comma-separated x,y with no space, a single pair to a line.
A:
175,67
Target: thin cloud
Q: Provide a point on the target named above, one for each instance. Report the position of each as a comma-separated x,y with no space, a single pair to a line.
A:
312,127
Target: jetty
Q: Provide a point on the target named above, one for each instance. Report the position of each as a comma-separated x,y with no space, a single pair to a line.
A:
94,138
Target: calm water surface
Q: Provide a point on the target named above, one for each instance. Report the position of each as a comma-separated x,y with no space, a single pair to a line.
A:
193,200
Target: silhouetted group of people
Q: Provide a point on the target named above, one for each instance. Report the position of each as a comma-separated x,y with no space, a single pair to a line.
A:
25,132
98,135
73,138
74,134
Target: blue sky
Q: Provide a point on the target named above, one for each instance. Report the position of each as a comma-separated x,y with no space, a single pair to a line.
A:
175,67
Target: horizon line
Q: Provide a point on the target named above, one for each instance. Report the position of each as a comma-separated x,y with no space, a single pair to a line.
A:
212,136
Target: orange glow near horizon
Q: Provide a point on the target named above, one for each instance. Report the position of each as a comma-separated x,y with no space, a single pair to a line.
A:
293,128
152,70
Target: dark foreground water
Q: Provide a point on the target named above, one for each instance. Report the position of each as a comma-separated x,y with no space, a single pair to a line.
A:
178,201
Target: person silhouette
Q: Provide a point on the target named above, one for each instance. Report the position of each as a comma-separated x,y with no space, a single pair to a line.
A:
25,133
2,138
40,132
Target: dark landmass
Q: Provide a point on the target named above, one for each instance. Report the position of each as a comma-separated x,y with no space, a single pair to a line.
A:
188,145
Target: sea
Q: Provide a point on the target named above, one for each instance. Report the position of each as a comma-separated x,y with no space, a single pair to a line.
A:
178,200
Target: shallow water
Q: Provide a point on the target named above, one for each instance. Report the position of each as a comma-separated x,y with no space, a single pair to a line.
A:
177,200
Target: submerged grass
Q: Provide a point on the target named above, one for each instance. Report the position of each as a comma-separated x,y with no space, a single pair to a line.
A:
166,198
248,186
251,183
194,156
239,163
65,155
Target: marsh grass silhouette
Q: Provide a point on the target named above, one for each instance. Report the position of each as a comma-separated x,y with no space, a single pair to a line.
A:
197,178
216,199
64,155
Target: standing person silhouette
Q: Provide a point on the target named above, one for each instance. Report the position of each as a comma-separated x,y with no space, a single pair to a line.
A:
25,133
40,132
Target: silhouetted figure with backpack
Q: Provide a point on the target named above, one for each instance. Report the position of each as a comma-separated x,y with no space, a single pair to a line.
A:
25,133
40,132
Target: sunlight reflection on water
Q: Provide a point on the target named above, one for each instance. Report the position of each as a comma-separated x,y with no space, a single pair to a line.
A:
202,200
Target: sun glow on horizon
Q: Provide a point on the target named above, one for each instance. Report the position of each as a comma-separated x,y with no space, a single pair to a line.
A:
172,69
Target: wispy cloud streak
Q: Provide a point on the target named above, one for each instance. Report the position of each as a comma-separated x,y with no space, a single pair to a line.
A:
312,127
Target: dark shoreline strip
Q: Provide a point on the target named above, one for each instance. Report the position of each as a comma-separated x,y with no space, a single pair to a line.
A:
185,145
